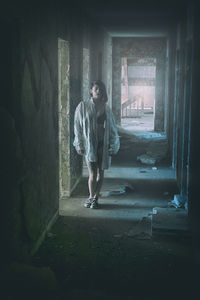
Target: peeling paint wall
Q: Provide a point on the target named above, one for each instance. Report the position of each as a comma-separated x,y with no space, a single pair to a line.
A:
51,54
29,113
35,113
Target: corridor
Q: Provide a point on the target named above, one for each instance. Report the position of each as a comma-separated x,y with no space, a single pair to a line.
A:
143,241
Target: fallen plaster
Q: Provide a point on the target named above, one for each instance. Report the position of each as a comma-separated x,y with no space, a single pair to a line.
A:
147,159
114,189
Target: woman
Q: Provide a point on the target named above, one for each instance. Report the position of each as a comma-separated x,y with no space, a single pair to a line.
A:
96,137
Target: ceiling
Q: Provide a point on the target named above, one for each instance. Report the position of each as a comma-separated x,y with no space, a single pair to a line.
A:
136,18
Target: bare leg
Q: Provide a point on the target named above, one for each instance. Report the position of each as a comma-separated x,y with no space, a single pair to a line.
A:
92,180
100,171
100,176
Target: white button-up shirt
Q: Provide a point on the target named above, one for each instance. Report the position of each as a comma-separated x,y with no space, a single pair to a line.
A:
85,131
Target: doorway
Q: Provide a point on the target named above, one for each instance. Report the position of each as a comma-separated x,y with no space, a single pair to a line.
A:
138,76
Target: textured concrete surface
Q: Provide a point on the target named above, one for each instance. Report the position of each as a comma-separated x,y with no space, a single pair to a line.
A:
128,194
113,252
144,123
136,171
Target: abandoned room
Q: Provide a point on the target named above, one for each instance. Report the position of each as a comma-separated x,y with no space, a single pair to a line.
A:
143,241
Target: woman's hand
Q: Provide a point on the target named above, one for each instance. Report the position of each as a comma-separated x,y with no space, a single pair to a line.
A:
110,152
80,152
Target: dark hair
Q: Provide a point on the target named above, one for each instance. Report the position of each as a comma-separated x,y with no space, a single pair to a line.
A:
102,86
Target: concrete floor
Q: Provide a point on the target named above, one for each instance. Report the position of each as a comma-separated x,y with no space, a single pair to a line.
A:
132,247
125,200
142,127
96,258
143,123
116,252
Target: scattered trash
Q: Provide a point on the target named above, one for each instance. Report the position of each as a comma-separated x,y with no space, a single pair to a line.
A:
154,168
115,193
178,201
155,211
123,190
146,159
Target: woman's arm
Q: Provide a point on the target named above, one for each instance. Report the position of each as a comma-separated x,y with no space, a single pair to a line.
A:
114,137
78,129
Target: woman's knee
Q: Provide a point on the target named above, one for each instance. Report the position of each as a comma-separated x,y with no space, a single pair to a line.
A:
92,176
92,169
100,175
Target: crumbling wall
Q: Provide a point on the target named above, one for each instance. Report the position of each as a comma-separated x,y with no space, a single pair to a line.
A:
30,113
29,117
33,107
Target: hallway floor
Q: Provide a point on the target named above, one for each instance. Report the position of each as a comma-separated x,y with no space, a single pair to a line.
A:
143,124
115,252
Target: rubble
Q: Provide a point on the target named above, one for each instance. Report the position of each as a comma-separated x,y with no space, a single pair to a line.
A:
146,159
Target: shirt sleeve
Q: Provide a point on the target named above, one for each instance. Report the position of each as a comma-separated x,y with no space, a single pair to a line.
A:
78,128
114,137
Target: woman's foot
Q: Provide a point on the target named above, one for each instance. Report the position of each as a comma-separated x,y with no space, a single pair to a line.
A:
94,203
88,202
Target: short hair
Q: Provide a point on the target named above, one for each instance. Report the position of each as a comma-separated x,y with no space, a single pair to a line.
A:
102,86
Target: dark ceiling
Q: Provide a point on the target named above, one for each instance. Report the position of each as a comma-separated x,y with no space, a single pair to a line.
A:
136,17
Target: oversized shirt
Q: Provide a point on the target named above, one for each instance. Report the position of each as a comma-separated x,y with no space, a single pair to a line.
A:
85,131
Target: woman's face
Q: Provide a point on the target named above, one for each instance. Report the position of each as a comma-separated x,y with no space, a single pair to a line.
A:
96,92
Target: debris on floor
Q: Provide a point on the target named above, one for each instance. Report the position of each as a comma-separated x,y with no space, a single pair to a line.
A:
146,159
154,168
118,190
154,211
121,191
178,201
